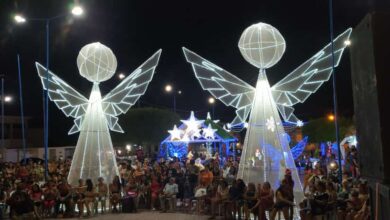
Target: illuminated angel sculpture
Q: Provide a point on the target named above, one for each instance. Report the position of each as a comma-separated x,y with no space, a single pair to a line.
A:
94,155
266,154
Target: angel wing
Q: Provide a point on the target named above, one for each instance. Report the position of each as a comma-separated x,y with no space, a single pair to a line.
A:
305,80
71,102
223,85
126,94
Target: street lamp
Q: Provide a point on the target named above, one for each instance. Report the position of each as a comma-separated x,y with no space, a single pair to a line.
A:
3,99
330,117
121,76
19,18
212,103
169,89
347,42
7,98
76,11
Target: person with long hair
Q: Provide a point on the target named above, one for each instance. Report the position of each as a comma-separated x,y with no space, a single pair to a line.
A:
155,188
115,193
102,191
36,196
265,200
80,197
250,200
282,201
90,195
221,197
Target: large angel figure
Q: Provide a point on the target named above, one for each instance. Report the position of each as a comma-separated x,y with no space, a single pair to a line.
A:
262,45
94,155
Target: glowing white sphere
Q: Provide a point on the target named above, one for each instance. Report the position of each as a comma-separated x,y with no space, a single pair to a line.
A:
262,45
96,62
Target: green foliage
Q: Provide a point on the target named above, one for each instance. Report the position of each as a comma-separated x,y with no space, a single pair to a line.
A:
322,129
145,126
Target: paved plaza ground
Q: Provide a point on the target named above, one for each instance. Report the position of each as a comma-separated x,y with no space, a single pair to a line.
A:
149,215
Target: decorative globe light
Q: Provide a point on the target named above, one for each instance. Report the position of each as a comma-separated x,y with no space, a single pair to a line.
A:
96,62
262,45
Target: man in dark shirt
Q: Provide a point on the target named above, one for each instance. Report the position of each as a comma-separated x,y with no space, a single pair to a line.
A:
21,204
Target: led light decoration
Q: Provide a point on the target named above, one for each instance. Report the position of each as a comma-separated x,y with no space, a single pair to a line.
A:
209,118
175,133
298,149
270,124
94,117
198,133
209,132
192,123
263,46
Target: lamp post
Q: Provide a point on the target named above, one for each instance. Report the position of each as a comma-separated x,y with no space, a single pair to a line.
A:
212,103
121,76
19,19
169,89
4,99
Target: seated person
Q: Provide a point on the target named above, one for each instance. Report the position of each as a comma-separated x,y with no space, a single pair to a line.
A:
169,193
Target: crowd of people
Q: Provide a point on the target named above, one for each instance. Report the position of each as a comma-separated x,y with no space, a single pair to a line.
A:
180,185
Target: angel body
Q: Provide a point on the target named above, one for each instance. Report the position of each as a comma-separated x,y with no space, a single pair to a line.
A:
262,45
94,155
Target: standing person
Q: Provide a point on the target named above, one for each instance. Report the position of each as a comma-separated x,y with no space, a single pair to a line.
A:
155,188
265,200
206,177
80,197
36,196
169,193
64,197
49,198
282,202
221,197
115,193
90,195
102,191
250,200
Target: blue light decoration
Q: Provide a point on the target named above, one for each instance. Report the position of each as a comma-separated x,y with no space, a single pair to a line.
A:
205,136
297,150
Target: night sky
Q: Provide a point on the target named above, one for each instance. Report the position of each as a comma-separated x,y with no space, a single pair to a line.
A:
134,30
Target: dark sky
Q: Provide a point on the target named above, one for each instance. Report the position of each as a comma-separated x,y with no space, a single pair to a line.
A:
134,30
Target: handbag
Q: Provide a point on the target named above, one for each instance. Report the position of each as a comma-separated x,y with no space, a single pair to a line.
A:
132,194
200,192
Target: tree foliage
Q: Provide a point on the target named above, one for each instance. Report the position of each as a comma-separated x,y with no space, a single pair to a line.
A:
145,126
322,129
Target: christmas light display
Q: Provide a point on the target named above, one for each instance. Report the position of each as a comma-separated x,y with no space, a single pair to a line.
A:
94,155
266,153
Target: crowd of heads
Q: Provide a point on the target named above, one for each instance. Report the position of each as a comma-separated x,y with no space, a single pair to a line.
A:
169,185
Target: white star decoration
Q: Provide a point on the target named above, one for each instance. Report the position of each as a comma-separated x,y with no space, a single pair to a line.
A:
175,133
299,123
192,123
209,132
270,124
209,118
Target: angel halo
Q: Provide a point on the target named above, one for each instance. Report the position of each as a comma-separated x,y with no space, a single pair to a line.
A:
94,155
263,46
